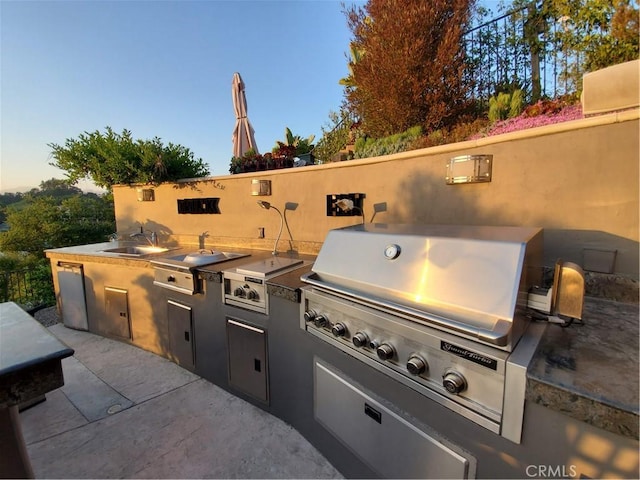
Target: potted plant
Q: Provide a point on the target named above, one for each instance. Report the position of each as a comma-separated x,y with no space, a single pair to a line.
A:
295,146
249,162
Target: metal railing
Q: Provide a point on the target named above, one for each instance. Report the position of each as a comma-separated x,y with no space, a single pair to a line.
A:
28,288
520,49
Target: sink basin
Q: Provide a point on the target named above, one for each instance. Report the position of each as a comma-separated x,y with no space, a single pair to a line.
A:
135,250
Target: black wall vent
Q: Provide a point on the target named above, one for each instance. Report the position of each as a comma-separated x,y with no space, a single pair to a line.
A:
198,205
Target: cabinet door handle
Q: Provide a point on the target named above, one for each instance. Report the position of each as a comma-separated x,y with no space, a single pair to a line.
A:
257,366
186,336
373,413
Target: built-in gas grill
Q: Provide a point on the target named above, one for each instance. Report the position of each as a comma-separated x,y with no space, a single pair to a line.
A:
442,309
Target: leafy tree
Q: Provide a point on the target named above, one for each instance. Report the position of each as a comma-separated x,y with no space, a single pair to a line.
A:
46,223
410,63
587,34
7,199
605,31
56,187
109,159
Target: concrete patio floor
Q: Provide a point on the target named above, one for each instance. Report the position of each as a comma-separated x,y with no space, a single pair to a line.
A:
127,413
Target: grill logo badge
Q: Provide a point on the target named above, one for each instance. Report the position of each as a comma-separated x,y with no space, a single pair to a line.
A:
469,355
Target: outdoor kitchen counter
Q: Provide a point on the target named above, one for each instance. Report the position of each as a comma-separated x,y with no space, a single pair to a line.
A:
589,370
94,252
288,285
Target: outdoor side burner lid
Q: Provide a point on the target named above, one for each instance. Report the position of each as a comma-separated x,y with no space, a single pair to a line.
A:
268,266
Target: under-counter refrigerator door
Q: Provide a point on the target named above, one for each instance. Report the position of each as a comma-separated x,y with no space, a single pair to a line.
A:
71,297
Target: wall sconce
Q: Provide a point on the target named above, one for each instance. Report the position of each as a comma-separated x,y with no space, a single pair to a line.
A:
260,187
469,169
345,204
145,194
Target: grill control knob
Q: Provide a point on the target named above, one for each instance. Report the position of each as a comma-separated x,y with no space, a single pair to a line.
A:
385,352
309,315
238,292
360,339
416,365
339,330
320,321
454,382
253,295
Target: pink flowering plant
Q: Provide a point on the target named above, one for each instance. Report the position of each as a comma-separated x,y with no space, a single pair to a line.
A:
544,112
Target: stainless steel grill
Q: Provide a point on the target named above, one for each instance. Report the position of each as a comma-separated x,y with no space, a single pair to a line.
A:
442,309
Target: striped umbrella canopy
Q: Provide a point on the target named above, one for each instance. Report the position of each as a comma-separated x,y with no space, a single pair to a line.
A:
242,137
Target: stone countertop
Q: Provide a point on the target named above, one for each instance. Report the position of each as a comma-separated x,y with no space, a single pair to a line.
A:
95,252
29,357
590,370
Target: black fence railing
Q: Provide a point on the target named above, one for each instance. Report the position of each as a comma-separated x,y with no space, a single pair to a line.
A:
520,49
30,288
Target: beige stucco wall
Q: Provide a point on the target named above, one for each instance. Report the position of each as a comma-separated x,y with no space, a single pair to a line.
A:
578,180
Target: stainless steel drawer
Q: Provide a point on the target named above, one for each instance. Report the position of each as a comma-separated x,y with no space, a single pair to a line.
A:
393,446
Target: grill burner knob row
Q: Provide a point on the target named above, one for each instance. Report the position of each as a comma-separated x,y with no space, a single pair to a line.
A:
339,330
454,382
320,321
253,295
360,339
385,352
417,365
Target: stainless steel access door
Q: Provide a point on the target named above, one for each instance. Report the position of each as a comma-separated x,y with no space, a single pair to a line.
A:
71,297
248,367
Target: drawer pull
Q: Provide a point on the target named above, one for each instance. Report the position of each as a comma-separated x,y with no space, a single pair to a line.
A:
373,413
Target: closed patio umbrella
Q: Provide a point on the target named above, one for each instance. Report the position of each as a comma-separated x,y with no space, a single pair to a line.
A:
242,137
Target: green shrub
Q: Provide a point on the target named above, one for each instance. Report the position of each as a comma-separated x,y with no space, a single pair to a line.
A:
506,105
400,142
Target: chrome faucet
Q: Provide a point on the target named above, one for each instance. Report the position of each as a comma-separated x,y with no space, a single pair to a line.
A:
152,238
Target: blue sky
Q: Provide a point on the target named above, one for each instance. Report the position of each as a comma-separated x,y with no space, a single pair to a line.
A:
163,68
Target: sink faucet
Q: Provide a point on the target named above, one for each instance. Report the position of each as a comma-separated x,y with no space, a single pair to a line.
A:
152,238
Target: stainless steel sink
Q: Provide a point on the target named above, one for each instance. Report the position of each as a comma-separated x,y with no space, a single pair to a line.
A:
136,250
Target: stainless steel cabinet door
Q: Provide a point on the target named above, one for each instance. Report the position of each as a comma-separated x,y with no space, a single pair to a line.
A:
71,296
248,367
116,313
181,334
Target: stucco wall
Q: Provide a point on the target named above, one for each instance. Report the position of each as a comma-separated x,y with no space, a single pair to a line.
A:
577,180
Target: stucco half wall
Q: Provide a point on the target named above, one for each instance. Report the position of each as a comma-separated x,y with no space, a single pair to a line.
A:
578,180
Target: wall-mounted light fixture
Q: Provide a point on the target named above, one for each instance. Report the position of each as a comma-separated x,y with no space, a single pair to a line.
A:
469,169
267,206
260,187
345,204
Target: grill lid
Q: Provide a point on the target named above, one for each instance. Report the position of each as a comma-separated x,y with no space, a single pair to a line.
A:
471,274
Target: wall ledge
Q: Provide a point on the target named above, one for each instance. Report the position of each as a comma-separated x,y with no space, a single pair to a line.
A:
579,124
